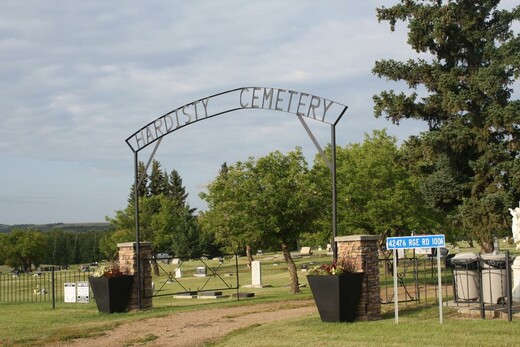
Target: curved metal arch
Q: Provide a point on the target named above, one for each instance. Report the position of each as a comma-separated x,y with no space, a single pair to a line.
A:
267,98
275,99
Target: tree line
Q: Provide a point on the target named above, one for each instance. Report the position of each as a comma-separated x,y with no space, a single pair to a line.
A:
25,248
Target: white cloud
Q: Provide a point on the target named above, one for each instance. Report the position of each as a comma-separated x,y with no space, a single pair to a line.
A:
78,77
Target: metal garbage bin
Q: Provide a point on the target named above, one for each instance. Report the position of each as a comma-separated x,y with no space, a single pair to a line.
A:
494,278
466,277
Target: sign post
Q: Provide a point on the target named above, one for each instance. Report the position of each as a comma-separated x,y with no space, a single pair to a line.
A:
414,242
396,298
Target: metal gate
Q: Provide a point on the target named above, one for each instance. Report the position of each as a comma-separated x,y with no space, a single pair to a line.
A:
195,276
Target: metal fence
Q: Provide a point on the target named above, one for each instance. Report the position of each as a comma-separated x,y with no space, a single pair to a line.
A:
481,283
48,285
38,286
417,280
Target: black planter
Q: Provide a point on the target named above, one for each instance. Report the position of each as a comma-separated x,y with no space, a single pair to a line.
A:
337,297
111,294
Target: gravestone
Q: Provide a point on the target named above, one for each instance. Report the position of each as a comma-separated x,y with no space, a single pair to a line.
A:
178,273
211,295
200,271
187,295
306,251
256,273
256,276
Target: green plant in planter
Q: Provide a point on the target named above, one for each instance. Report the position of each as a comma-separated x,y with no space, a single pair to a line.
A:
109,271
335,268
111,287
336,289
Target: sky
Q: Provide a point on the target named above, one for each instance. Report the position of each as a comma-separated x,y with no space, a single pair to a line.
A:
77,78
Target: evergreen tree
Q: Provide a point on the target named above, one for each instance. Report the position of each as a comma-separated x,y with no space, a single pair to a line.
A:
469,157
165,218
176,191
143,188
158,183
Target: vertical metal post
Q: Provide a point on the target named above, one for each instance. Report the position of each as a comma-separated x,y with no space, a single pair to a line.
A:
439,275
334,194
137,236
53,285
396,293
481,291
238,282
334,190
509,289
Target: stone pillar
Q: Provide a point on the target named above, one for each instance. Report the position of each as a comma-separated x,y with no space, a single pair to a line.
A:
363,251
128,262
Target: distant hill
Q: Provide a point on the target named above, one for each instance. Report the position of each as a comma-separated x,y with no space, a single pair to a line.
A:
74,227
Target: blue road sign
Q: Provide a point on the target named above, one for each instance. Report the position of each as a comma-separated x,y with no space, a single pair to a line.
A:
408,242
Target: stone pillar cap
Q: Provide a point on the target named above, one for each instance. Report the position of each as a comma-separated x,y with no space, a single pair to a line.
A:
352,238
133,244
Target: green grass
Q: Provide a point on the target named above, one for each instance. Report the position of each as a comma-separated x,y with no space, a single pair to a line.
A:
35,324
141,340
417,327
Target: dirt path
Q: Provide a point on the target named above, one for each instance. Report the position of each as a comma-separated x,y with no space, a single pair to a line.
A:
194,328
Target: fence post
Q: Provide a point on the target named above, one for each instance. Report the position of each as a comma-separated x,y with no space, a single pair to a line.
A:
509,289
53,289
481,291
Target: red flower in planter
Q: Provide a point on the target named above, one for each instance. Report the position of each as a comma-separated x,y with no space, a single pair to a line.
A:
335,268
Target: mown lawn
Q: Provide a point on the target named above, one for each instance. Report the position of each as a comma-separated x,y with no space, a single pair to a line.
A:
35,324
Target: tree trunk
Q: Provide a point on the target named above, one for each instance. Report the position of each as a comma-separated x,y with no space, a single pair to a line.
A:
249,255
26,265
487,246
293,274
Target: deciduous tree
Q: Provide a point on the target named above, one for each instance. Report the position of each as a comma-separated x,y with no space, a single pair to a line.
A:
23,248
270,199
376,194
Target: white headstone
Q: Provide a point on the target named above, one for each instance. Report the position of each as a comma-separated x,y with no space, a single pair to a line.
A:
200,271
256,273
178,273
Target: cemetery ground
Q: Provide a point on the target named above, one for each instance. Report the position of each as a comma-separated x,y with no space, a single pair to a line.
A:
272,318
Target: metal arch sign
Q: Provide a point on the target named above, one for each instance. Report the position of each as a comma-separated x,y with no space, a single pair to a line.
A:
303,105
265,98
